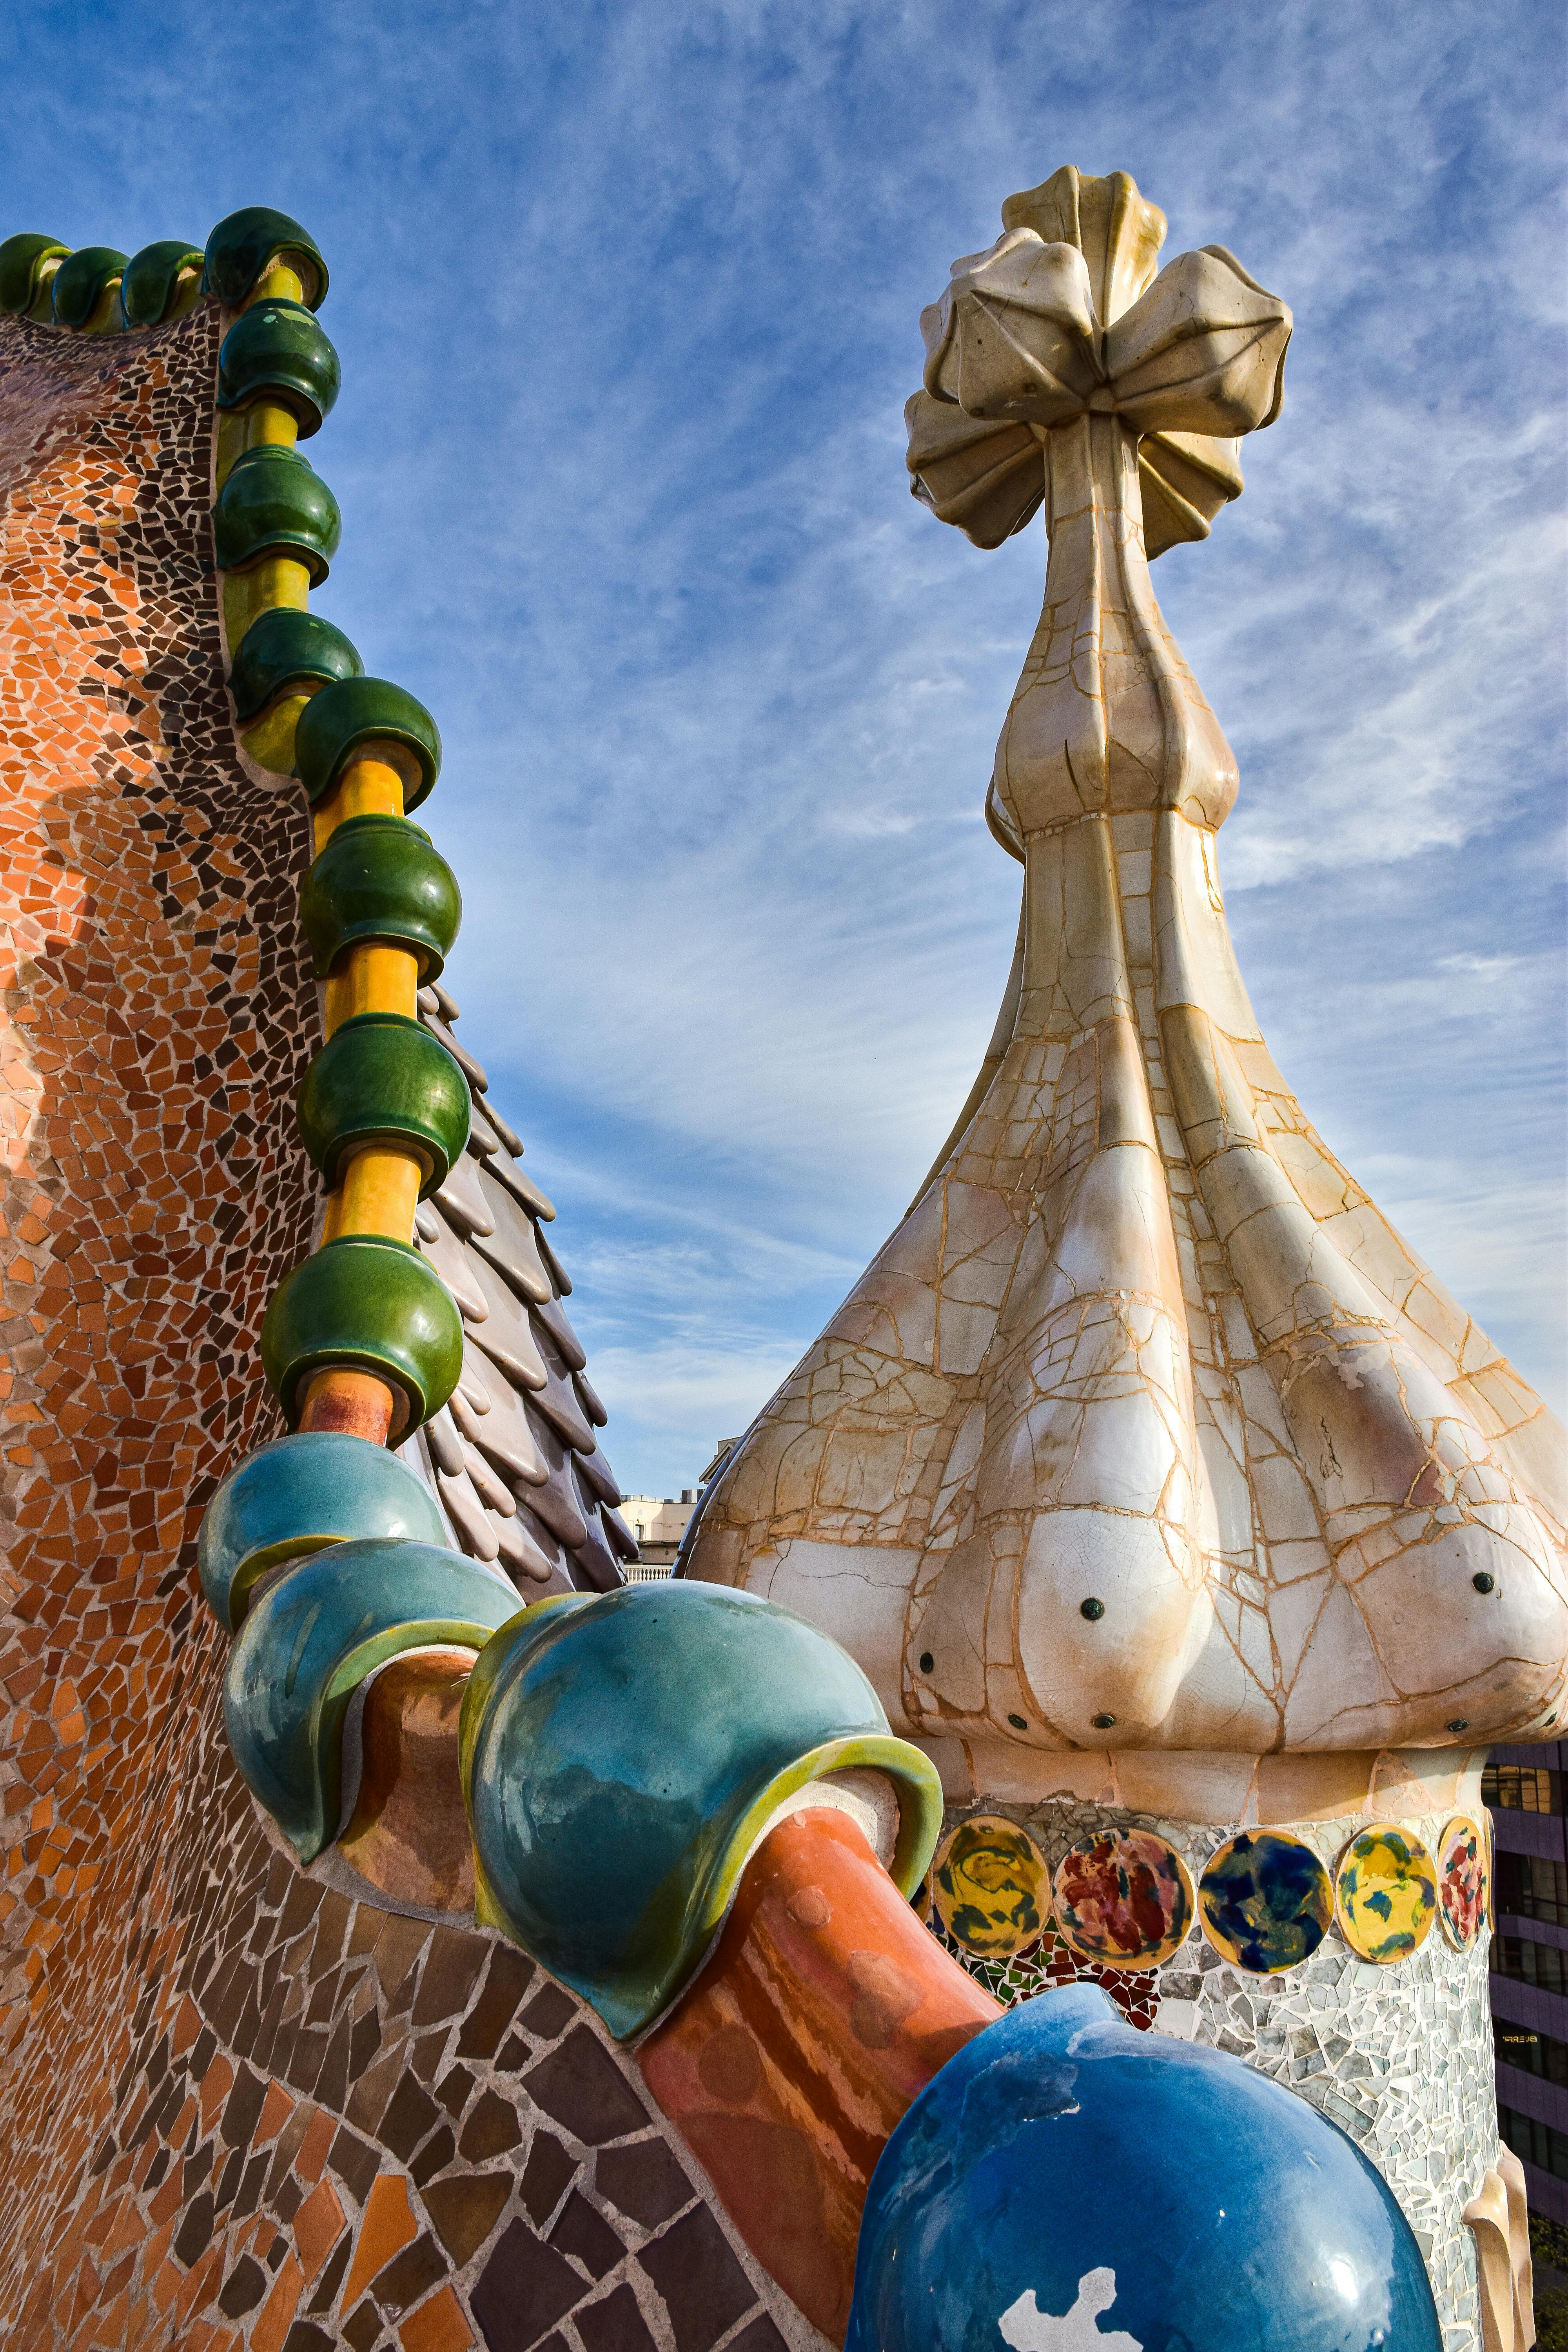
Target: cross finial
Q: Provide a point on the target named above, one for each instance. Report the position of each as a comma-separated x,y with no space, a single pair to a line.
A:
1064,315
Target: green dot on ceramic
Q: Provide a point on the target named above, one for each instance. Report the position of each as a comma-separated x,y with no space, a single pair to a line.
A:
1093,1610
1104,1722
276,351
382,1078
147,289
337,721
379,878
242,244
283,647
275,503
22,258
364,1303
80,282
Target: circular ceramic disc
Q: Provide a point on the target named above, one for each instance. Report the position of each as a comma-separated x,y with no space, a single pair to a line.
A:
990,1887
1266,1901
1462,1881
1124,1898
1385,1894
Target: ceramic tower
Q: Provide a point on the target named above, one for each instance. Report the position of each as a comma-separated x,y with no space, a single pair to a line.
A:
1160,1489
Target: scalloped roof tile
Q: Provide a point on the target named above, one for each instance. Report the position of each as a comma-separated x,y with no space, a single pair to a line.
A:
513,1460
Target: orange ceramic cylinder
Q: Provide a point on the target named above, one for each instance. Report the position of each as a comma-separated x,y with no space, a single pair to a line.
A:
356,1403
826,2009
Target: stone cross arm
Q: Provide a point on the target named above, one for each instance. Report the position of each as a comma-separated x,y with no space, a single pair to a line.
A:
1017,347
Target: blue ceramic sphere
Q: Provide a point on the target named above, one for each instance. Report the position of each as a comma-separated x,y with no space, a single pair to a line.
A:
326,1624
297,1495
621,1754
1067,2184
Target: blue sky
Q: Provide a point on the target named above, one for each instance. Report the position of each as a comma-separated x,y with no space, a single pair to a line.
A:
626,299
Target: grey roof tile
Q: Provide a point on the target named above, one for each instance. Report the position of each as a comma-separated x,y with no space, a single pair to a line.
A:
506,1336
473,1071
475,1530
512,1247
553,1315
502,1435
453,1263
522,1188
460,1200
599,1478
513,1457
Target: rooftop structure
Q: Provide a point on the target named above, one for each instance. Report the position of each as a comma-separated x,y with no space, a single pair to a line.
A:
658,1523
417,1935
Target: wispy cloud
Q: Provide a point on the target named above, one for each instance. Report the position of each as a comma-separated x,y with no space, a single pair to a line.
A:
626,302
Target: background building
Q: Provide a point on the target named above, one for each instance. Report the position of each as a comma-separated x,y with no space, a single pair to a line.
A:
658,1522
1523,1786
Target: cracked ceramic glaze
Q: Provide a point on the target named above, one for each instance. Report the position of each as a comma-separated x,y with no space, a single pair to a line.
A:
1144,1430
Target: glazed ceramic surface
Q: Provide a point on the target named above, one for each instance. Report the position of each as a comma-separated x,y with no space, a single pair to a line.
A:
282,646
621,1756
1124,1897
297,1495
275,503
1266,1901
990,1887
1385,1894
356,710
1192,2205
826,2009
314,1637
365,1301
1464,1882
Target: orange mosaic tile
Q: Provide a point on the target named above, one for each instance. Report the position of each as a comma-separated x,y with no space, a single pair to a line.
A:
388,2226
438,2326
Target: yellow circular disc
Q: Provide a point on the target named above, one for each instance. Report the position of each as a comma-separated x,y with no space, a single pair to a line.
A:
1464,1880
989,1887
1385,1894
1124,1898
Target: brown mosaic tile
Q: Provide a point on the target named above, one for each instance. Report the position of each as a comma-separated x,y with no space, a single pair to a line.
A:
523,2289
702,2285
614,2325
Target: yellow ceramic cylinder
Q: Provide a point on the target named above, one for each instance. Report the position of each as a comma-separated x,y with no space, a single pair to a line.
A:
272,425
374,978
379,1194
270,741
367,787
276,580
233,425
280,580
279,284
